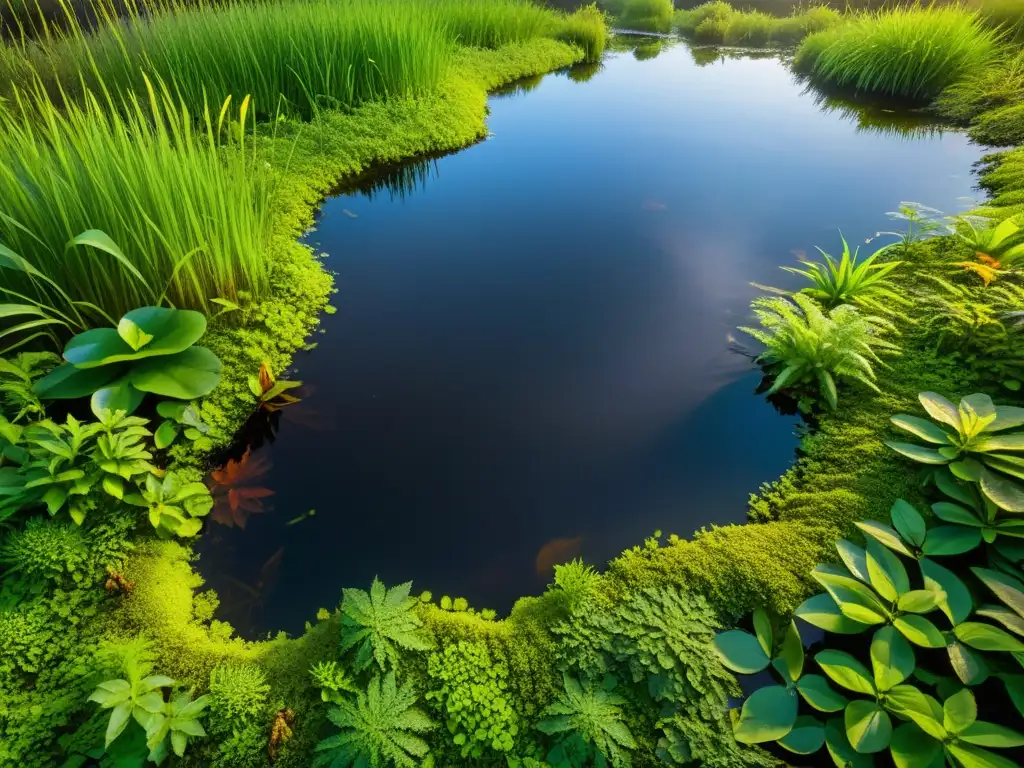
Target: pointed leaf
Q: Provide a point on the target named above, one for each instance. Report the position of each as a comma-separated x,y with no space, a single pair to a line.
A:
883,534
975,757
917,453
957,603
792,652
119,716
918,601
1006,588
969,666
940,409
946,540
821,611
926,430
908,522
991,735
984,637
845,671
913,748
1005,493
819,694
887,574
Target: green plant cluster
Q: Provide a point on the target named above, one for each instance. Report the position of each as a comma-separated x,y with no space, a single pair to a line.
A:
646,15
718,22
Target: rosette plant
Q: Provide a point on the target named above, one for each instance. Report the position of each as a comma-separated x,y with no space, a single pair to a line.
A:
972,439
174,507
150,351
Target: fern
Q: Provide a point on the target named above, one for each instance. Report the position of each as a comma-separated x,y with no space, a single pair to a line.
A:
17,374
660,641
378,729
593,715
577,583
380,623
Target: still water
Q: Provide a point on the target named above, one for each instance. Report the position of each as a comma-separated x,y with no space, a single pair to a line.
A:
531,355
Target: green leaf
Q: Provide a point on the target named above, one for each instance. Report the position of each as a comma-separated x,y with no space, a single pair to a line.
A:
846,671
740,652
913,748
868,726
892,658
839,747
887,574
1004,616
1006,588
792,652
173,331
917,453
117,396
883,534
991,735
984,637
954,513
848,592
908,522
975,757
68,383
821,611
119,716
806,738
947,540
940,409
957,604
854,558
763,631
922,428
1005,493
968,665
165,434
920,631
102,241
1015,690
959,711
133,334
918,601
819,694
767,715
185,376
955,489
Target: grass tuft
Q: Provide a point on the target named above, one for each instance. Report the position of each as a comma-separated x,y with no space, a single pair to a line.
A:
906,52
647,15
718,22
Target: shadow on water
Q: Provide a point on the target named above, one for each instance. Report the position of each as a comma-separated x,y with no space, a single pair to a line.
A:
531,357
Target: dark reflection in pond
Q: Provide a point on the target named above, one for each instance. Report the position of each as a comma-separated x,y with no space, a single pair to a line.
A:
886,118
647,51
399,180
531,358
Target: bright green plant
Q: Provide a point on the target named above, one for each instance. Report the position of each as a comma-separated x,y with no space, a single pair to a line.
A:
174,507
1001,241
923,223
333,681
379,623
473,697
238,693
847,281
152,350
972,440
48,551
577,584
647,15
173,723
912,52
17,375
807,347
120,454
380,728
587,721
180,417
58,472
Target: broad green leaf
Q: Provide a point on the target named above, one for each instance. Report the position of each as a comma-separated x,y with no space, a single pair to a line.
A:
1015,690
968,469
984,637
946,540
954,513
1005,587
740,652
846,671
184,376
926,430
892,658
819,694
970,756
173,331
821,611
792,652
955,489
919,601
868,726
839,747
119,716
920,631
69,383
806,738
854,558
1012,621
940,409
917,453
133,334
959,711
763,631
768,714
1003,492
847,590
165,434
968,665
883,534
1007,417
913,748
119,395
991,735
908,522
887,574
957,604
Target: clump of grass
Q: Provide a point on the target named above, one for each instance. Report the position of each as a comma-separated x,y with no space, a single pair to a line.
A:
1006,15
189,212
647,15
1002,127
718,22
586,28
906,52
998,85
486,23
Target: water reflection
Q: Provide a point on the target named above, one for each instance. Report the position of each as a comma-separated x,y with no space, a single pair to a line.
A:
518,87
398,180
584,71
879,117
647,51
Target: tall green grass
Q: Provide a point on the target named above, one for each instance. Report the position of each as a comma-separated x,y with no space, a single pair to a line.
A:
190,214
586,28
720,23
905,52
647,15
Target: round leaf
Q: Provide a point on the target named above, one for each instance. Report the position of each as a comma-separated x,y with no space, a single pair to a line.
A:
69,383
767,715
118,396
185,376
171,330
868,726
839,747
740,652
165,434
959,711
806,738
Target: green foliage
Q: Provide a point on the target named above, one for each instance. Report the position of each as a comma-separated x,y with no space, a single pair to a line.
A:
174,506
971,440
587,29
17,376
913,52
380,623
238,693
593,719
807,347
999,84
152,350
48,551
332,681
378,729
181,417
473,698
718,22
849,281
120,454
576,584
647,15
658,642
58,470
1000,241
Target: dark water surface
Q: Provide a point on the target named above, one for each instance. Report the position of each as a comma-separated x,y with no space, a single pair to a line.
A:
531,358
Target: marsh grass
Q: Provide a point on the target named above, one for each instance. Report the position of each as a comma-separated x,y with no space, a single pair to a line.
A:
190,214
907,52
647,15
586,28
720,23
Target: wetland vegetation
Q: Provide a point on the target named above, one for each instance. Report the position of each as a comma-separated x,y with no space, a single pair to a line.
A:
159,167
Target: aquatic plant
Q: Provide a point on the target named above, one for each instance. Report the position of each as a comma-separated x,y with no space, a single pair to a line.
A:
271,393
152,350
588,722
586,28
237,489
379,623
180,417
999,84
968,440
805,346
380,728
849,281
908,52
647,15
719,22
121,453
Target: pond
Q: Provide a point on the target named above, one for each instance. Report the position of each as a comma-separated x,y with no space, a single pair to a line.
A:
533,355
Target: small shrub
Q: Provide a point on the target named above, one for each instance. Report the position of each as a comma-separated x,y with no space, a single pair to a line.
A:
47,550
647,15
238,693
